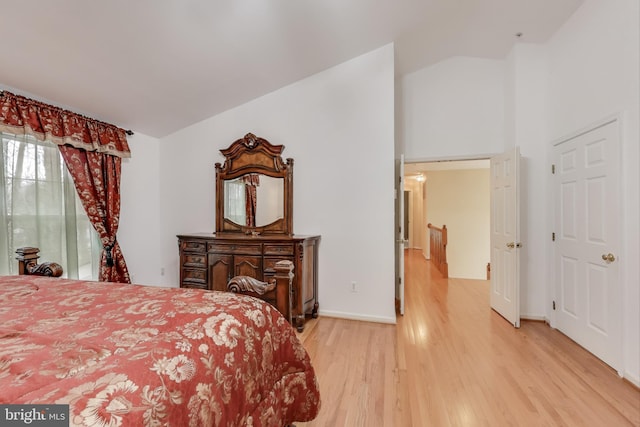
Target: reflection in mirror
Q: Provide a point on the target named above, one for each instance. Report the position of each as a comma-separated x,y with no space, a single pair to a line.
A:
254,200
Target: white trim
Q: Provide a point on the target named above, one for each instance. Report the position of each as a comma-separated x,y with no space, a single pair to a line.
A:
355,316
631,378
593,126
451,158
534,318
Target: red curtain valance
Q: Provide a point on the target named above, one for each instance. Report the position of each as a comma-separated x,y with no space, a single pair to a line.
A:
20,115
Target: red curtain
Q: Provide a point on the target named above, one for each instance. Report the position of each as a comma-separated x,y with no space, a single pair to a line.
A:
92,151
24,116
251,183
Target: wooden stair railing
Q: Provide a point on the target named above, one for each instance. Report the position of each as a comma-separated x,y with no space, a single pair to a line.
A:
438,248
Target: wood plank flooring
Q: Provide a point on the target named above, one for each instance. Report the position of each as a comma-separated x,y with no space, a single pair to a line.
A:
452,361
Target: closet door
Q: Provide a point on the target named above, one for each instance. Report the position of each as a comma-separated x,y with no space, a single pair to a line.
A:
588,222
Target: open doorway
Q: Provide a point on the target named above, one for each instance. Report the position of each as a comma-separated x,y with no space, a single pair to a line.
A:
455,194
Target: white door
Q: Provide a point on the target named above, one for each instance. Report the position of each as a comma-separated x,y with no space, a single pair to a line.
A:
505,234
399,247
587,240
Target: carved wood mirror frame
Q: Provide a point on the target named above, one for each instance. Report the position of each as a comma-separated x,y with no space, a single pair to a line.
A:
250,155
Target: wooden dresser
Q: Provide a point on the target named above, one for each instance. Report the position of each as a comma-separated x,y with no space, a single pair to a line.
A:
210,260
254,231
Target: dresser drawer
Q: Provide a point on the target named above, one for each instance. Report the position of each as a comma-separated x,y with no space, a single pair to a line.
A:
278,249
235,248
269,263
194,260
193,246
195,286
194,276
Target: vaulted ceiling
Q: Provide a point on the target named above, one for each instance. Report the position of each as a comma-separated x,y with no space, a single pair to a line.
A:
156,66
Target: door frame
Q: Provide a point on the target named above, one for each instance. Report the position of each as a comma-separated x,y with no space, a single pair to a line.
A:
486,157
553,287
398,233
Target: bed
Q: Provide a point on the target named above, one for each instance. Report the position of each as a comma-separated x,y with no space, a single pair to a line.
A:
136,355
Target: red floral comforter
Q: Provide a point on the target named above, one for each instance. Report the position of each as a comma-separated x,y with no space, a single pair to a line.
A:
136,355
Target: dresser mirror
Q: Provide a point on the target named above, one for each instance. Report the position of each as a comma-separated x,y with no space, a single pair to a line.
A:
254,188
269,200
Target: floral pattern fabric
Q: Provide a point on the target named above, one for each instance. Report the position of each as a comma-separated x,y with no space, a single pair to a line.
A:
20,115
96,177
132,355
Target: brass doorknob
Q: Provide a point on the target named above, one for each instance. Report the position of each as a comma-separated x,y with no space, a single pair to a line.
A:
511,245
608,257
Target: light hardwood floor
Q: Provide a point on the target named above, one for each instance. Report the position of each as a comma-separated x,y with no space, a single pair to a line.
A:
452,361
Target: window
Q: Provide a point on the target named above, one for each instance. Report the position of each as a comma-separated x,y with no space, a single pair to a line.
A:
235,200
39,207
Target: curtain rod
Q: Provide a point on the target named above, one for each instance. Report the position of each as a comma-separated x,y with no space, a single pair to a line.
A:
127,131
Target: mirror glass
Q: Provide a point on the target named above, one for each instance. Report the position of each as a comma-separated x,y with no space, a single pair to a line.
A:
264,195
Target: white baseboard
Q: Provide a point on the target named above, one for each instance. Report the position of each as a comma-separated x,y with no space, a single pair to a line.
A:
355,316
534,317
633,379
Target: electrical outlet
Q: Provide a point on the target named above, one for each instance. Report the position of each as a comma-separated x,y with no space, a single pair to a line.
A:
353,287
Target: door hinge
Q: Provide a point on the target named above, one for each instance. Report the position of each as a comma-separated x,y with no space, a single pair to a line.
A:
553,169
553,237
400,280
554,305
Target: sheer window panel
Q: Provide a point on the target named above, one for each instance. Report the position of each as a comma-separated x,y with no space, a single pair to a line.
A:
40,207
235,201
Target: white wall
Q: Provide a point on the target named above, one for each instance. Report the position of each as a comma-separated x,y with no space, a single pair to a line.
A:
594,72
453,109
139,231
338,127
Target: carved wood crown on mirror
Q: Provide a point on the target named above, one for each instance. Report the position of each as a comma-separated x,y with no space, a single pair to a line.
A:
249,157
254,233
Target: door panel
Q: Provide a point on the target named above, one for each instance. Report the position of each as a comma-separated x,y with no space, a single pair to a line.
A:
569,300
587,215
248,265
505,253
219,271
